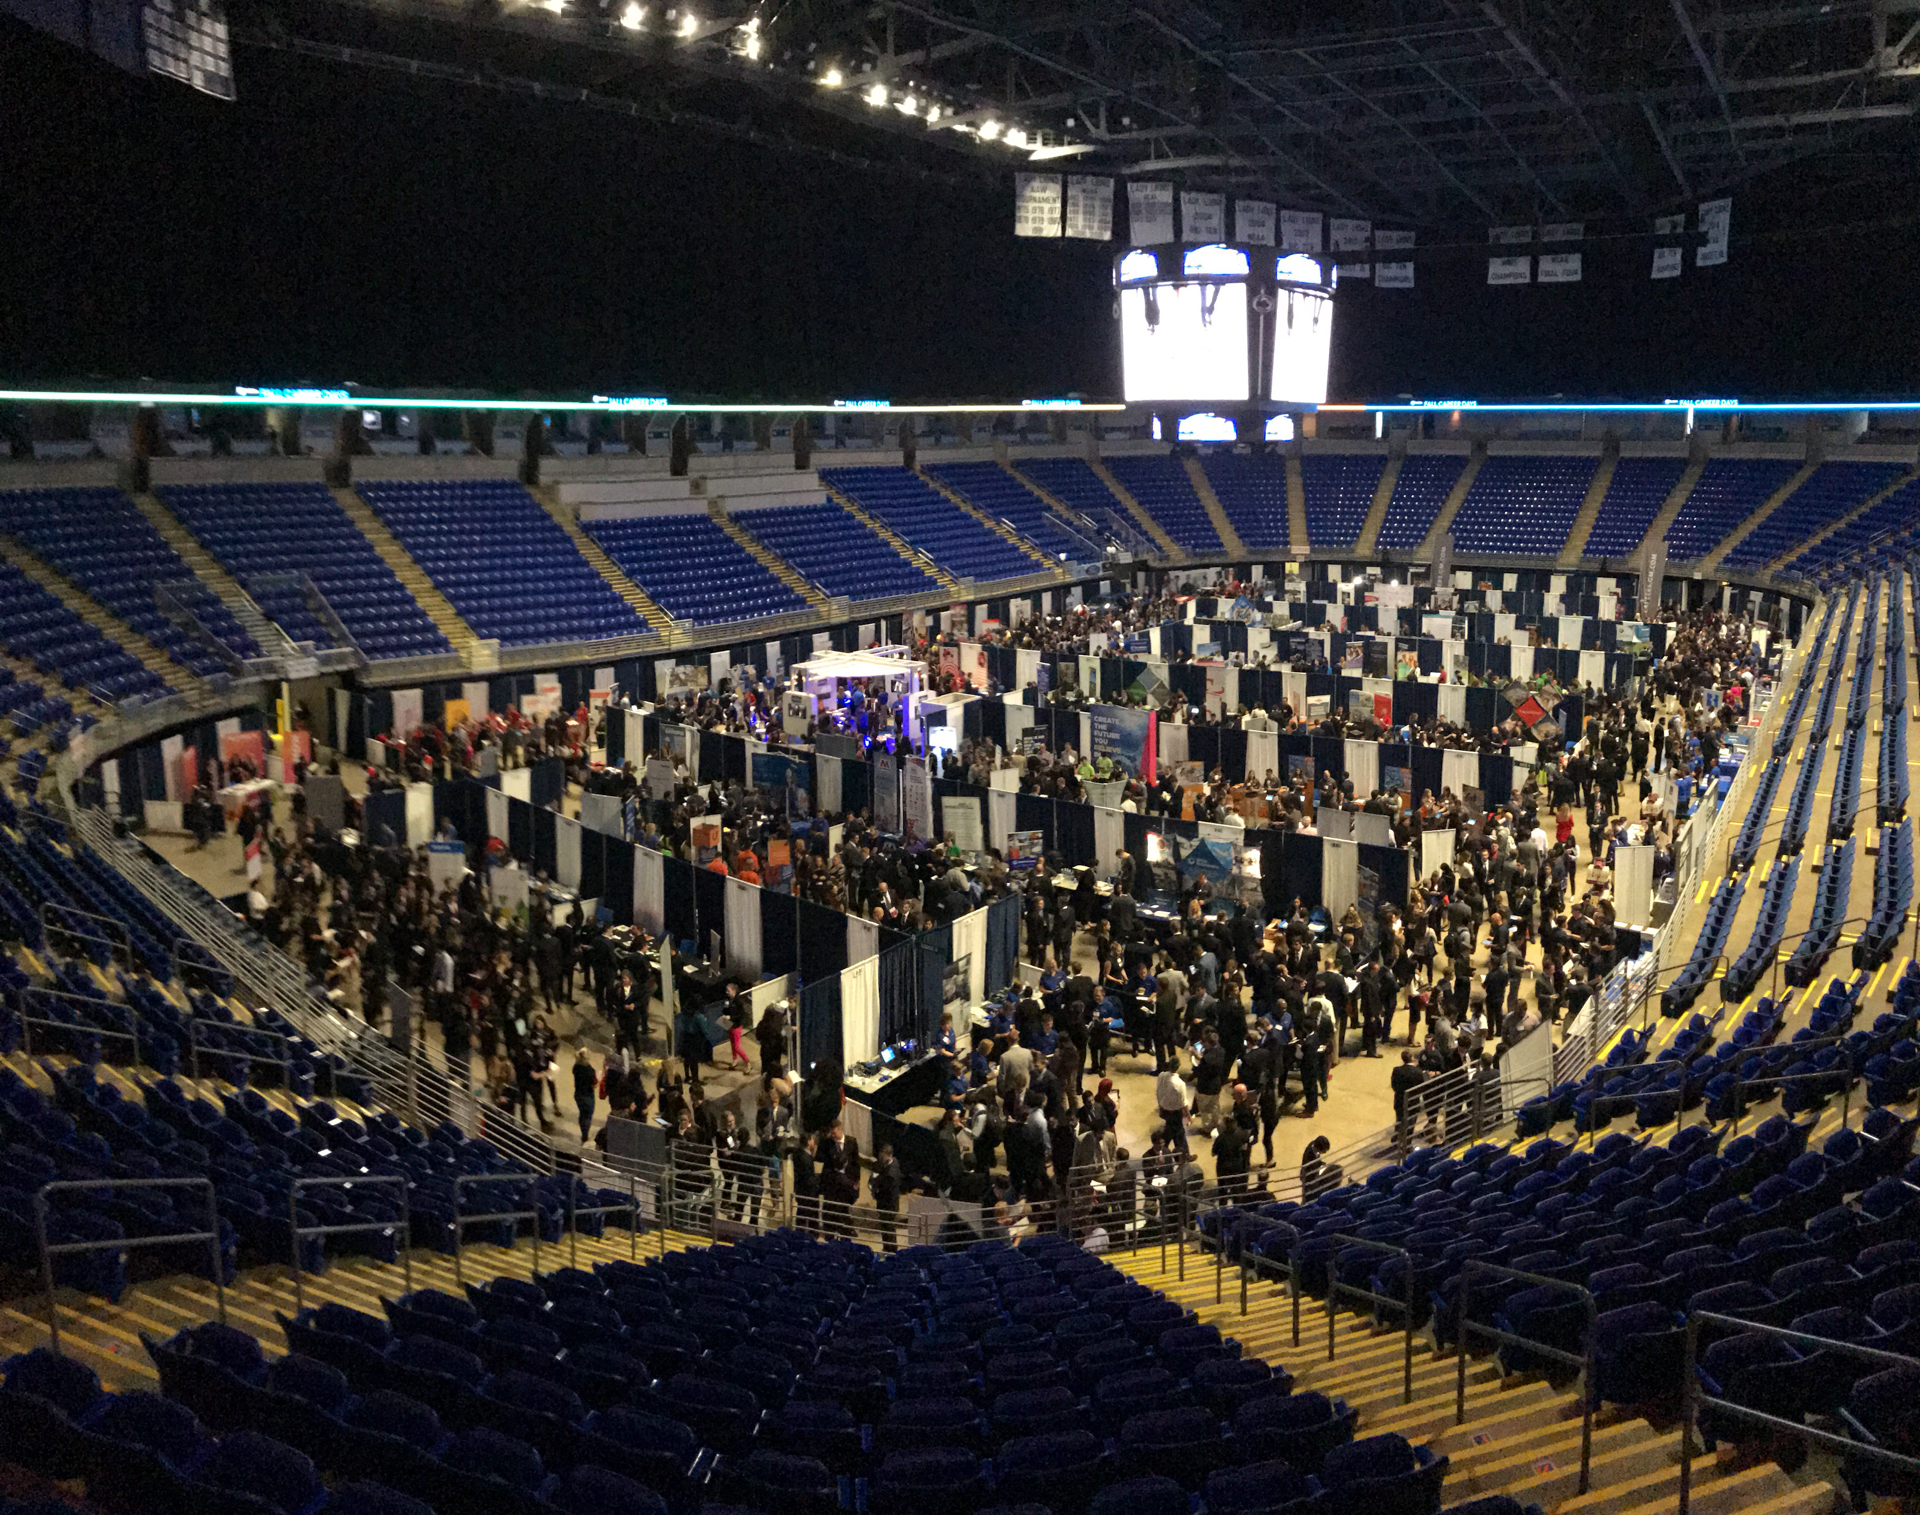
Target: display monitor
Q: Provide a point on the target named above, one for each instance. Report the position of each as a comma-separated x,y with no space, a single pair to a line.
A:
1185,342
1302,346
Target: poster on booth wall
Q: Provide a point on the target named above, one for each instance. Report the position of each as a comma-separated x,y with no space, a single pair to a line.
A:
1127,736
1395,779
705,836
796,712
446,864
660,779
688,678
1383,709
777,774
1352,658
246,747
973,664
950,659
1406,660
1299,768
886,794
1024,849
455,714
1217,689
916,801
779,874
541,703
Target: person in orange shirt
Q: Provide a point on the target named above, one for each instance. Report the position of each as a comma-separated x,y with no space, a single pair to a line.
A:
746,868
718,865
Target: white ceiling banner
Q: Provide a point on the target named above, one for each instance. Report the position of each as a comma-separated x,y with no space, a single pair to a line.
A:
1559,268
1670,226
1393,276
1253,222
1036,205
1300,230
1149,214
1344,234
1090,207
1509,270
1716,217
1563,231
1510,235
1353,270
1203,216
1667,262
1392,241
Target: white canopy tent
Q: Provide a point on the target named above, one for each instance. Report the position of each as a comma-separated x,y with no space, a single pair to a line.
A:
823,675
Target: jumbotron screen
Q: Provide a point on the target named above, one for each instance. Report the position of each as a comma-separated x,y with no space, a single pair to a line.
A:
1302,346
1184,342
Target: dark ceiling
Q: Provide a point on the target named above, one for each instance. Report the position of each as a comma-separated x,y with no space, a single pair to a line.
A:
1445,115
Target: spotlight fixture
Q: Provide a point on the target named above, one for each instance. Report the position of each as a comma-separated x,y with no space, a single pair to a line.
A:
933,114
1016,137
633,15
689,24
989,129
833,78
907,105
877,95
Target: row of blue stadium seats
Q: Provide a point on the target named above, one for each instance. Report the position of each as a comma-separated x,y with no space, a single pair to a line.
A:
693,570
836,551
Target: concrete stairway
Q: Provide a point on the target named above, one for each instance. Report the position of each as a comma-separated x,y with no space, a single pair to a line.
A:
1521,1435
772,562
266,634
656,618
1670,508
1041,562
1155,532
1297,542
892,538
1450,507
1376,512
413,578
150,655
1582,528
1069,517
1767,507
1216,512
1846,520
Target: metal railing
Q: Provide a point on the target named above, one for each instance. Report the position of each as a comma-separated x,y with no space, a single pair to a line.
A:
350,1228
1335,1289
199,1029
54,915
461,1220
50,1250
27,1022
1464,1324
1692,1400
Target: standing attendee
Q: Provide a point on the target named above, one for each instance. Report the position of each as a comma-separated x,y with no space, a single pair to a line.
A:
584,1081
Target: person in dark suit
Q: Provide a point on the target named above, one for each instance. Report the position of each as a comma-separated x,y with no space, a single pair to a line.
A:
806,1185
886,1184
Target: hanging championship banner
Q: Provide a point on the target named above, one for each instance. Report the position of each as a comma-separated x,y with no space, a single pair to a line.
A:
1670,226
1203,216
1667,262
1509,270
1090,207
1393,276
1392,241
1716,217
1345,234
1300,230
1353,270
1149,214
1563,231
1036,205
1559,268
1509,235
1253,222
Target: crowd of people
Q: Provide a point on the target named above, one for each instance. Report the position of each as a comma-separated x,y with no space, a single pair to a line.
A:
1238,1021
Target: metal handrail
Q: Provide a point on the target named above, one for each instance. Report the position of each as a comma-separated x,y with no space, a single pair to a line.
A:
353,1228
1691,1399
196,1024
1335,1288
26,1036
1463,1324
123,943
461,1220
51,1250
574,1210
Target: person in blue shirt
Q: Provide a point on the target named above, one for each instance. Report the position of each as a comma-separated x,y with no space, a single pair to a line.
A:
980,1066
1046,1041
945,1042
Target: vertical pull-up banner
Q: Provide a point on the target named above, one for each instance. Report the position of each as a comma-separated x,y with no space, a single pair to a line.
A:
1036,205
1149,214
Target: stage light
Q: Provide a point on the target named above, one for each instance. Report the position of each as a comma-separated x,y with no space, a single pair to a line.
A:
753,48
833,78
907,105
689,24
989,129
556,6
1016,137
933,114
877,96
633,16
